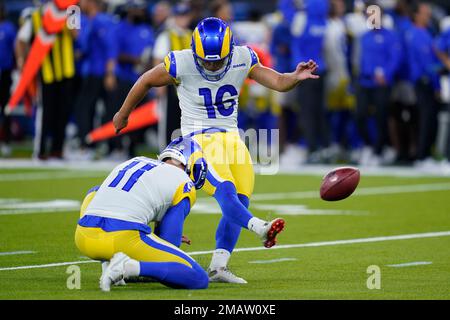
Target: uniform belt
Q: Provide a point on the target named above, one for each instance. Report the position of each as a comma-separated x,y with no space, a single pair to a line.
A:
111,224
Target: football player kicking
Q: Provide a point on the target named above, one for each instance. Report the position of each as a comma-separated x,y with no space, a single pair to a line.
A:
115,216
208,78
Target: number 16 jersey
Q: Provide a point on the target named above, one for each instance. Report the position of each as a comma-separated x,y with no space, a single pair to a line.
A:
205,103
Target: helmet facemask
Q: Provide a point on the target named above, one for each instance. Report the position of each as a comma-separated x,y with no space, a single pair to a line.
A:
197,171
212,75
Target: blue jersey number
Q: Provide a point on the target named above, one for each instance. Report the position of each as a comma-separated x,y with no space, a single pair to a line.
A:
133,178
219,103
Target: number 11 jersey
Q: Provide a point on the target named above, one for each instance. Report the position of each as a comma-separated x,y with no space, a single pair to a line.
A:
141,190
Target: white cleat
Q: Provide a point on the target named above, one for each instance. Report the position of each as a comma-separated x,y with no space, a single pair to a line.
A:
224,275
114,272
271,230
105,265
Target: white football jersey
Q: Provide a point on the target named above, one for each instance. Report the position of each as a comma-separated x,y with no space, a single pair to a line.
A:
141,190
204,103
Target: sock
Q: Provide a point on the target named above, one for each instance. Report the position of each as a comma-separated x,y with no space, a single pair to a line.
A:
104,265
232,208
227,234
257,225
132,268
219,259
244,200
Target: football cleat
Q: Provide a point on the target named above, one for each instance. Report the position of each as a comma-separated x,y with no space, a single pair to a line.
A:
271,230
105,265
114,272
224,275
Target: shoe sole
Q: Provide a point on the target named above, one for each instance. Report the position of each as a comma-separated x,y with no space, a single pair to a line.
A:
225,281
275,229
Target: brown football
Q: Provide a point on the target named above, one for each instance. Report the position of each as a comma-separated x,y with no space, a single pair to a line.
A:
339,183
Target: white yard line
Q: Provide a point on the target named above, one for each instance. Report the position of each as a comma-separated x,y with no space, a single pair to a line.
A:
49,175
37,266
15,253
19,206
368,191
37,211
272,261
101,165
278,247
209,205
392,171
339,242
203,206
317,170
409,264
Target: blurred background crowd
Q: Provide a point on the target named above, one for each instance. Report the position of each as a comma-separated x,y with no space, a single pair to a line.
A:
383,97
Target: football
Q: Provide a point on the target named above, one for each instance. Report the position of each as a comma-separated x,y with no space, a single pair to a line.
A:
339,183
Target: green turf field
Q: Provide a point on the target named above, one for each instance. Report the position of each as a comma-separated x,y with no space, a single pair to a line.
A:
311,262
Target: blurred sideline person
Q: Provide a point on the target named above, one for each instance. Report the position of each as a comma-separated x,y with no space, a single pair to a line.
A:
221,9
339,100
208,78
403,95
198,11
7,64
161,12
258,107
135,41
99,55
308,32
57,86
380,51
423,73
114,219
442,46
281,54
177,36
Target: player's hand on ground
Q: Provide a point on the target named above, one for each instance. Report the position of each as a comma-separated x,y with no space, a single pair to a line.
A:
119,122
186,240
305,70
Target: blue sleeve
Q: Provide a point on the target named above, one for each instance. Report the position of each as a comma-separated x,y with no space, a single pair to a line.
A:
442,42
296,52
171,226
170,63
13,34
413,62
81,42
274,41
394,56
111,42
254,57
106,31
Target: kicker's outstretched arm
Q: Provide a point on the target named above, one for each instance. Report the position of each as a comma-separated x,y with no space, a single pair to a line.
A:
156,77
283,81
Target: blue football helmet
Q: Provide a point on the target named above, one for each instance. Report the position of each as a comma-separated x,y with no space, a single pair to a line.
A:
212,40
190,154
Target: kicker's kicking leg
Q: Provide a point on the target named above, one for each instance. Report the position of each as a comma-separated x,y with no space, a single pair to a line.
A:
234,211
